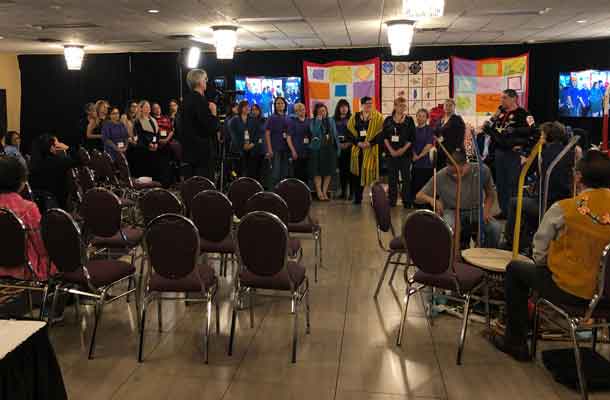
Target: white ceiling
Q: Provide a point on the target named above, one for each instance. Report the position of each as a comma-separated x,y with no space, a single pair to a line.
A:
125,25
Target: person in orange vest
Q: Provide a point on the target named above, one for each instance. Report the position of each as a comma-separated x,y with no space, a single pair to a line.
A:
567,249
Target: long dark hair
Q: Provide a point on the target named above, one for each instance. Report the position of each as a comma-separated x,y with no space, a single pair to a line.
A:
275,103
260,112
340,104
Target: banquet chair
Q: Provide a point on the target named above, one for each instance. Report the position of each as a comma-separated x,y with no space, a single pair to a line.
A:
77,274
156,202
240,191
132,186
262,248
579,318
395,248
83,156
212,213
274,204
298,197
193,186
436,267
177,271
14,256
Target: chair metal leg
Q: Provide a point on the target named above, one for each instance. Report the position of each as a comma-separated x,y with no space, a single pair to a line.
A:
487,308
129,286
53,305
43,305
594,338
251,306
142,326
77,307
217,316
584,393
159,313
30,302
307,322
382,277
233,318
404,315
295,327
207,327
316,250
391,281
99,306
464,327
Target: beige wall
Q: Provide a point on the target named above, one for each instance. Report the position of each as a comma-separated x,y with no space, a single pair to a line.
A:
10,79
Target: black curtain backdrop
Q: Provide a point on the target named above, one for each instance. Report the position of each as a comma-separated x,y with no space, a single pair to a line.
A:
53,98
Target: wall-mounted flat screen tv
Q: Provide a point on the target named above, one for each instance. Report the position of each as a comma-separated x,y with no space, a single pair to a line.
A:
262,90
581,93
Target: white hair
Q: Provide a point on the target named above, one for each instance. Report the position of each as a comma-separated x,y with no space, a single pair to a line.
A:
194,77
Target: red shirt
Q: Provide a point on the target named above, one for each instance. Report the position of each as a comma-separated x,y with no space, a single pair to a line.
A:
165,126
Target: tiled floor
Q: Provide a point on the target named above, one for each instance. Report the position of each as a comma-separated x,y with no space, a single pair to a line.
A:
349,355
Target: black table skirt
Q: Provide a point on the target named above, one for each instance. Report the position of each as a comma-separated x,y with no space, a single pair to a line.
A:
31,371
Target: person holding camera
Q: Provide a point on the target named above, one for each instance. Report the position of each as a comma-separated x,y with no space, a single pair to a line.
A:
512,130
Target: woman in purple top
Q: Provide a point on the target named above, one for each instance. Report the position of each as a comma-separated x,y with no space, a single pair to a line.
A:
424,141
114,134
298,142
276,133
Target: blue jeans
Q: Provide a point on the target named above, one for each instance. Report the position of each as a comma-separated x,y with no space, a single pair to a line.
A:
508,168
491,230
279,167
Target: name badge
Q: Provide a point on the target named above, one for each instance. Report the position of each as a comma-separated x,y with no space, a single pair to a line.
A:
284,135
163,133
395,138
362,133
135,138
327,137
246,136
120,145
260,140
154,139
306,140
342,138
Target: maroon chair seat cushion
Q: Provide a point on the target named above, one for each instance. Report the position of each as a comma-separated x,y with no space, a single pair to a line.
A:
397,244
305,226
294,246
133,235
279,281
189,283
146,185
102,272
467,275
226,246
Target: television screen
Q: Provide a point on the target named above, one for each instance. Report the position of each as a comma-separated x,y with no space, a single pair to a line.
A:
581,93
262,90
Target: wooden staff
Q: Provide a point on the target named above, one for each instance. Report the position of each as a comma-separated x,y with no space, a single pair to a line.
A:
433,157
458,200
480,233
528,163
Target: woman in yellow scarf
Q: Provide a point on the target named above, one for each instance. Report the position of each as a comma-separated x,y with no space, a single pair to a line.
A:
365,127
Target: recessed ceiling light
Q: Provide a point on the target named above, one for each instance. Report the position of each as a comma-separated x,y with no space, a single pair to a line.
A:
1,37
531,41
581,21
544,11
153,11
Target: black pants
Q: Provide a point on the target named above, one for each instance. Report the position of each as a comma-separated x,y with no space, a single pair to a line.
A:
356,182
519,279
419,178
399,167
529,220
345,175
301,170
508,168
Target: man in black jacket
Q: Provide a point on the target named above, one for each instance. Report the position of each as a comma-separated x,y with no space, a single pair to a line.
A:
512,129
199,126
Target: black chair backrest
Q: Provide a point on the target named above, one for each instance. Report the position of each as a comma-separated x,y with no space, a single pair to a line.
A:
419,228
181,260
240,191
107,169
298,197
262,242
381,207
157,202
62,239
270,202
14,240
96,163
101,211
123,169
84,156
26,193
193,186
85,179
212,214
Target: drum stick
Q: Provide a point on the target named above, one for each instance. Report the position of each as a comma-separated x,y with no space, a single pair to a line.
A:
433,158
458,200
528,163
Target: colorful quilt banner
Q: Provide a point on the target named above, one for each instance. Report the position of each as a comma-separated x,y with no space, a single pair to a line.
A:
425,84
478,84
330,82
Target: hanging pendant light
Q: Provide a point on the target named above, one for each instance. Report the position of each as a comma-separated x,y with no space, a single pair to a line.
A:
192,58
422,9
225,40
74,55
400,36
